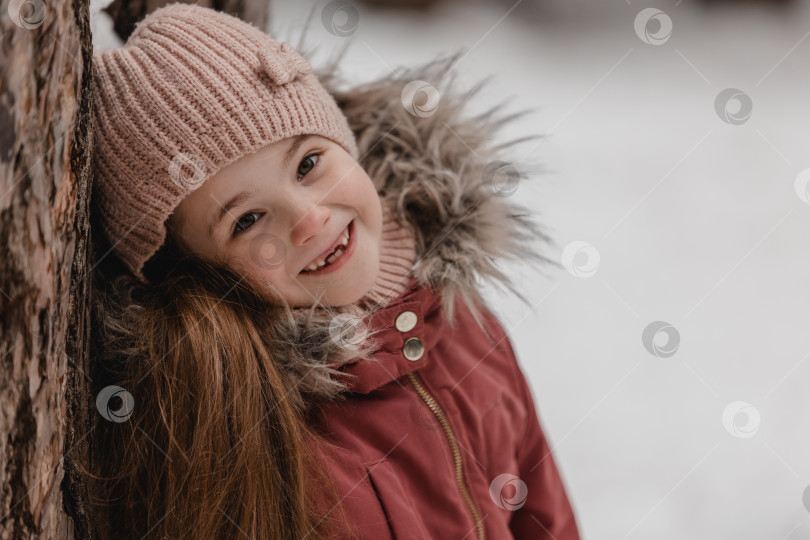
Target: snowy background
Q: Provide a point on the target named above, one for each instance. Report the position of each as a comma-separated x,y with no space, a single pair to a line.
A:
661,211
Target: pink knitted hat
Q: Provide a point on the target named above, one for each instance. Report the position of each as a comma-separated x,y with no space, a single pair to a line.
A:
192,90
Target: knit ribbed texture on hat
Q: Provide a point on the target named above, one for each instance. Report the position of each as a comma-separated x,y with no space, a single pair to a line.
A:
191,91
397,257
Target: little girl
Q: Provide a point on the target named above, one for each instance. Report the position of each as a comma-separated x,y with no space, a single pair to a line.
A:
292,343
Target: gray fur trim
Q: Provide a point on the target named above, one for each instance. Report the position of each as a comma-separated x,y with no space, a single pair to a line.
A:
435,172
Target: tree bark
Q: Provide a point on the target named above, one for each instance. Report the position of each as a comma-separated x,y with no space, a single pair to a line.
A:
47,408
45,184
126,13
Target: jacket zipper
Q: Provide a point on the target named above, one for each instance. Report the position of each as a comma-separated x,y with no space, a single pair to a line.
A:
451,438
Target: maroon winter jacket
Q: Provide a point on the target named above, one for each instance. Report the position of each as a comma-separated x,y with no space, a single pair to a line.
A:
423,442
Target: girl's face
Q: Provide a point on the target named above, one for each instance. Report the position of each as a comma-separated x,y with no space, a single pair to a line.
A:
270,214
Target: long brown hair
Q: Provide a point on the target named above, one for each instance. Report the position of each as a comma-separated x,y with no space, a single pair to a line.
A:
198,433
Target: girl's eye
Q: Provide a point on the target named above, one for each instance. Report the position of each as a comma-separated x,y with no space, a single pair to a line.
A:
237,230
307,164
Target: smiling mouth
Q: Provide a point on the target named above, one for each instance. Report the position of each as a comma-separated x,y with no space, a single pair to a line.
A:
319,264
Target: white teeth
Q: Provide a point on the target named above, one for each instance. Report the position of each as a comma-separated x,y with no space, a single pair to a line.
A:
320,263
334,256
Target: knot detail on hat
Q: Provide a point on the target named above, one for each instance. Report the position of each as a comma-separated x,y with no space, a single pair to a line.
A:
282,64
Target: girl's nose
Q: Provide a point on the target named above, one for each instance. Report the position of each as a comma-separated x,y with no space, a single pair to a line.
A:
308,222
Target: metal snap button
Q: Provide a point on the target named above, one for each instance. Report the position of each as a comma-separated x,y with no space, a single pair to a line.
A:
413,349
406,321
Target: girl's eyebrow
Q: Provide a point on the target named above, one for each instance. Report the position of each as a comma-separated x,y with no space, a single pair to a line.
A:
298,140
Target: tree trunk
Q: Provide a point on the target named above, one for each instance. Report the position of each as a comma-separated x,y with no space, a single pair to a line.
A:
126,13
45,186
44,193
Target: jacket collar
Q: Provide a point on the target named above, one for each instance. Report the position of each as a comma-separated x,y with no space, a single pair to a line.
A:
416,316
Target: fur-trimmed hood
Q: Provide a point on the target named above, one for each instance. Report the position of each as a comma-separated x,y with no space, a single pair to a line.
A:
441,171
